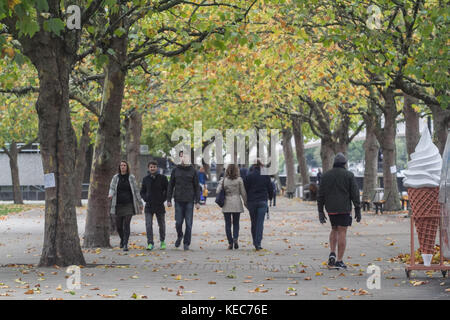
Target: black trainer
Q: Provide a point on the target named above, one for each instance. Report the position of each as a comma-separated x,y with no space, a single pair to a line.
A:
340,265
332,259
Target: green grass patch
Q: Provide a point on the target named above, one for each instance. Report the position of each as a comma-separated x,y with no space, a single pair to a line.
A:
5,209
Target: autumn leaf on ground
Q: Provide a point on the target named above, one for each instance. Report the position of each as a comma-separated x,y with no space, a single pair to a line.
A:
138,296
319,273
211,282
361,292
107,295
31,291
258,289
417,283
308,278
178,277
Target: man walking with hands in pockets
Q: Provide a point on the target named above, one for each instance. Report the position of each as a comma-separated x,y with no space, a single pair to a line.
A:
338,189
185,188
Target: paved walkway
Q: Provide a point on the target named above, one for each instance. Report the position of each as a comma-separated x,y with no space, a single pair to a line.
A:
291,266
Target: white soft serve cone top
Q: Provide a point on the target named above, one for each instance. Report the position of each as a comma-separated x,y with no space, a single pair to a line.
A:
424,169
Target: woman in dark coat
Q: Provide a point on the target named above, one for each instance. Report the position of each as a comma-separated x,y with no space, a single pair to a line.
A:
125,201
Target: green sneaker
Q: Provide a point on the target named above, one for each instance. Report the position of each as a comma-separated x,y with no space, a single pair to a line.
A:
163,245
150,246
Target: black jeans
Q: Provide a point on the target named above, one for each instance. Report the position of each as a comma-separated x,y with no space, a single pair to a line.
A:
123,227
161,218
228,217
274,199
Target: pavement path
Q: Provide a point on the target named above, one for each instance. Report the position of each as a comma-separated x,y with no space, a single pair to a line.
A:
291,266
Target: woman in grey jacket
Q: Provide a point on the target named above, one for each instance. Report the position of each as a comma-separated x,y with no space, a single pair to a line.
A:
232,208
125,201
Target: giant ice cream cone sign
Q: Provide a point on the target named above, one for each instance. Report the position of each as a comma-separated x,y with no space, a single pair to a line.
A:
444,200
422,179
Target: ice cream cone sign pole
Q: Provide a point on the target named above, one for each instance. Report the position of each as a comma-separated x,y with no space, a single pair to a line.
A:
422,179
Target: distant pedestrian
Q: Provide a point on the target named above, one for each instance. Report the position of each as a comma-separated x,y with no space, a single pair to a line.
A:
232,208
185,189
338,189
202,180
154,192
259,189
125,201
273,201
319,176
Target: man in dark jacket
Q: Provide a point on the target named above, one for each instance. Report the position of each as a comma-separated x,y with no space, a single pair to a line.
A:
184,180
259,190
154,193
338,189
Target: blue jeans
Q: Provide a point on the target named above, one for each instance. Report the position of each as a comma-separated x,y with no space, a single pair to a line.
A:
227,216
257,212
184,211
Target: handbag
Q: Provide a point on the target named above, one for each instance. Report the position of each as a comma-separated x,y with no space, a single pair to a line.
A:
220,197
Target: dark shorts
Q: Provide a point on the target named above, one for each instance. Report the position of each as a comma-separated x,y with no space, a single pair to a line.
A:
341,219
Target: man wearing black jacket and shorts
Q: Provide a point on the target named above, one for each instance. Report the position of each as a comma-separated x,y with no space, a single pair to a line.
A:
338,189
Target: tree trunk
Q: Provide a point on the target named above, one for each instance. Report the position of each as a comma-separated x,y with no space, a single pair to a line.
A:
289,160
53,58
80,163
371,148
58,145
300,149
387,143
441,123
13,154
133,125
107,148
326,153
412,134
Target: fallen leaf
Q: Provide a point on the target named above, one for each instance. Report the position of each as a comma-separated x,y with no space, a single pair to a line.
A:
418,283
211,282
29,291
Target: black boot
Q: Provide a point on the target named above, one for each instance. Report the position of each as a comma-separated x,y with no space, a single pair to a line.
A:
236,246
121,243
